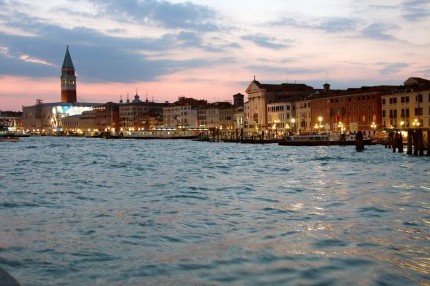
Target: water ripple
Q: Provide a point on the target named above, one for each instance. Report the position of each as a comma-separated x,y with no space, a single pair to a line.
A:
77,211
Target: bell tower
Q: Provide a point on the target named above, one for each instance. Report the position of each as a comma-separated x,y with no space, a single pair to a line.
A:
68,79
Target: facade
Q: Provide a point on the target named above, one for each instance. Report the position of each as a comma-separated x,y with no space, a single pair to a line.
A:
260,95
47,117
349,110
11,119
138,115
80,123
303,121
280,116
107,118
68,79
408,106
183,112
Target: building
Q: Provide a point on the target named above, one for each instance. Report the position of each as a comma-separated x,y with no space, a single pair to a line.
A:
408,106
185,111
303,121
11,119
107,118
260,95
47,117
138,115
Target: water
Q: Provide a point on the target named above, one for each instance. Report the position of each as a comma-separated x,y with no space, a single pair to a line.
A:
77,211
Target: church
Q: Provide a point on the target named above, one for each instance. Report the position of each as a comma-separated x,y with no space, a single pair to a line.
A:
46,117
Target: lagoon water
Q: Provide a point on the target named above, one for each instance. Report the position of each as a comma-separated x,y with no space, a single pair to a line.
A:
78,211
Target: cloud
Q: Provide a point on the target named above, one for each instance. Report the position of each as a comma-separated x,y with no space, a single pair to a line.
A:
393,68
378,31
337,25
97,57
264,41
165,14
326,24
416,10
267,69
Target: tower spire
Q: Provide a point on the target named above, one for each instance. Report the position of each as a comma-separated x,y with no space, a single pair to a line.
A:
68,79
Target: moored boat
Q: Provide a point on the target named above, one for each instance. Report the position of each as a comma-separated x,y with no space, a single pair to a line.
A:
7,136
321,139
176,132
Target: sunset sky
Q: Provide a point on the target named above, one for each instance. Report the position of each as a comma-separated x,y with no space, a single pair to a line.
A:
206,49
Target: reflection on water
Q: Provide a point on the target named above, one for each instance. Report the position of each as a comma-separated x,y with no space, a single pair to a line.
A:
88,211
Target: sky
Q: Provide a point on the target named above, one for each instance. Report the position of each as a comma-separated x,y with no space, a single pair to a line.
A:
206,49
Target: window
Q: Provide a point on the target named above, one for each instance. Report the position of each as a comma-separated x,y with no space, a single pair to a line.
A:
419,98
419,111
383,101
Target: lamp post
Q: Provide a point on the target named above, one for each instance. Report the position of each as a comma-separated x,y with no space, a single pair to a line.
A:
340,124
416,123
373,126
293,123
320,121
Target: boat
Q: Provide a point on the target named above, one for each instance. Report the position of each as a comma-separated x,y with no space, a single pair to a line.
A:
7,136
321,139
175,132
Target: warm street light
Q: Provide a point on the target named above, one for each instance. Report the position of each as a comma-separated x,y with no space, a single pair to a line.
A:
373,125
416,123
401,124
320,121
293,123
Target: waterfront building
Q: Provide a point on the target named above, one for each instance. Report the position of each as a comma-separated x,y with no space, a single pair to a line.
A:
352,110
408,106
138,114
238,117
11,119
80,123
217,115
303,121
107,118
279,116
260,95
183,112
47,117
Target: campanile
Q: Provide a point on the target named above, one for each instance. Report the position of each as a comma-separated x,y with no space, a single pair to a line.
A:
68,79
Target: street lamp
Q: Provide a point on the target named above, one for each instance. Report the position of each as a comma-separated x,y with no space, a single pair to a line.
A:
373,126
320,121
401,124
293,123
416,123
340,124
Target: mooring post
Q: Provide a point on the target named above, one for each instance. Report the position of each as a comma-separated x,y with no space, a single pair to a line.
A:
400,143
395,140
359,143
415,139
409,148
428,142
421,142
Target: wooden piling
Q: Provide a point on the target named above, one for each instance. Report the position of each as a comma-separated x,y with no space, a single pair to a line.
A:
400,142
359,141
415,139
410,136
428,143
420,142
